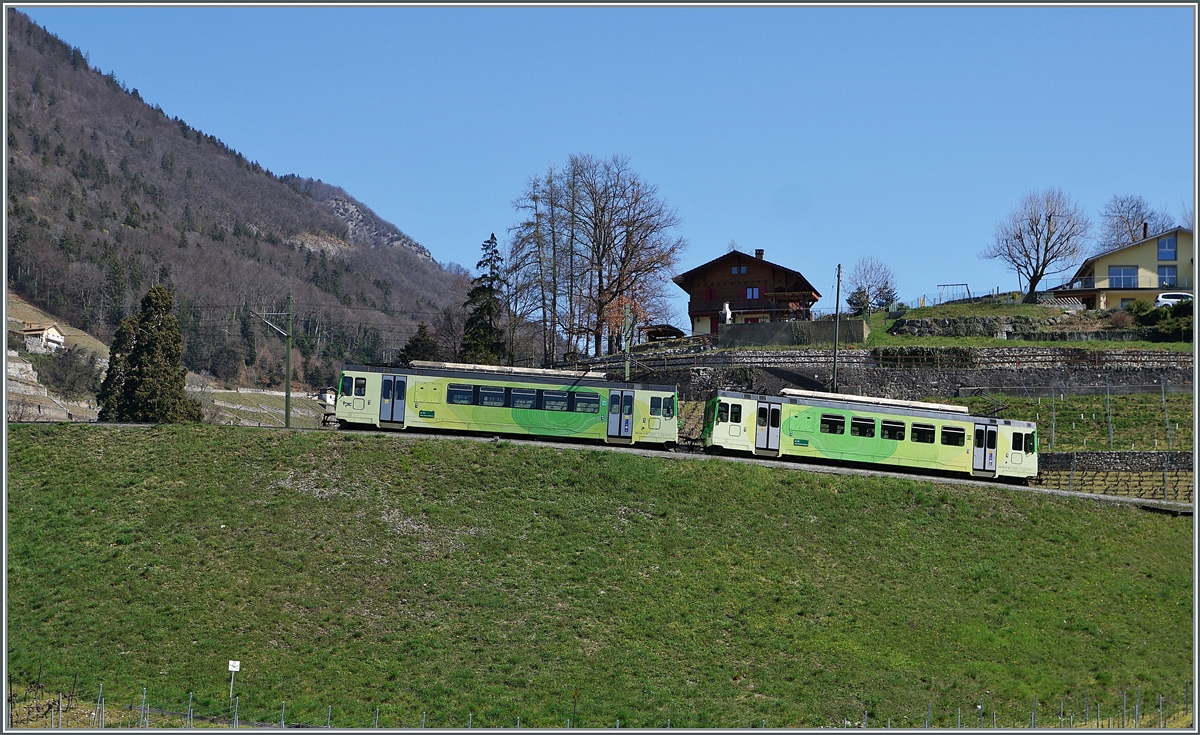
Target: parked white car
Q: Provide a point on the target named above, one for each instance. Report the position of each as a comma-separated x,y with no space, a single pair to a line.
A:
1170,298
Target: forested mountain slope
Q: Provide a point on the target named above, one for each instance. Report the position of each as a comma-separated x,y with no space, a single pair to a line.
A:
109,195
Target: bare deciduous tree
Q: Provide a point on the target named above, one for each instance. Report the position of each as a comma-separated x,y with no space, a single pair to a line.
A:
1043,235
592,235
872,280
1127,219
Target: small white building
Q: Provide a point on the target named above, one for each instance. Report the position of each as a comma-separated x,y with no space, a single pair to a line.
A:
43,338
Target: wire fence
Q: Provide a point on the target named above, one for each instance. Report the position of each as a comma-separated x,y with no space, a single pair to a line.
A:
38,707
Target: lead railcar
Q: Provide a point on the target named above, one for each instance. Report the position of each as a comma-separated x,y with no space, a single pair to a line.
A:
862,429
507,400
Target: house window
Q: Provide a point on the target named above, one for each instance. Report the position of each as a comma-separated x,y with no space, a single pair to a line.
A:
712,294
1122,276
1166,248
1127,302
1166,275
752,292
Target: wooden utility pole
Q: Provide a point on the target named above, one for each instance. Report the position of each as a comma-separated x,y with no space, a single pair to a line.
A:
837,323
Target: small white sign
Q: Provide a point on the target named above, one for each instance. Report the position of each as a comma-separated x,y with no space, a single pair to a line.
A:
235,665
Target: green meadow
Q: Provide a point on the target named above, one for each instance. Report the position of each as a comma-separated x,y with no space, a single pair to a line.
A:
455,579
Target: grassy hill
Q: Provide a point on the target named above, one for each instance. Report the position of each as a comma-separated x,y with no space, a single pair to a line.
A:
458,578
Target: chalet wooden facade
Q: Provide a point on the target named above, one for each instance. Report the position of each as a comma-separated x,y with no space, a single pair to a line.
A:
756,290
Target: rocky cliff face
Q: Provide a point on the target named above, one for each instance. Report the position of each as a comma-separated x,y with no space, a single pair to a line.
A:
364,227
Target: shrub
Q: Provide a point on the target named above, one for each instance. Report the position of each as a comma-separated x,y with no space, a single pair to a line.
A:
1122,320
1139,308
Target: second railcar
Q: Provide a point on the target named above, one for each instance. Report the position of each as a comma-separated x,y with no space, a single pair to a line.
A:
862,429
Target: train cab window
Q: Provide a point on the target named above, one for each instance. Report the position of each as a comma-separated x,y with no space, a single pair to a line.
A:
524,398
1030,444
923,433
893,430
831,423
656,406
991,440
709,410
491,395
862,427
1018,441
360,386
735,413
587,403
669,408
953,436
979,438
458,393
554,400
722,413
347,385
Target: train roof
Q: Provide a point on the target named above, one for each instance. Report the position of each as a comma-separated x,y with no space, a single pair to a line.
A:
466,371
847,402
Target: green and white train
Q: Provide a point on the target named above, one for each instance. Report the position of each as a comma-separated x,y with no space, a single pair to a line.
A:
504,400
878,431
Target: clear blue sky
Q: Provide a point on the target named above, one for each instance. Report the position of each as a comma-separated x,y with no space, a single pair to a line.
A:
818,134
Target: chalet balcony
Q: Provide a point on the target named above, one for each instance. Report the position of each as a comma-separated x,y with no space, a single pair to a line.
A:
701,308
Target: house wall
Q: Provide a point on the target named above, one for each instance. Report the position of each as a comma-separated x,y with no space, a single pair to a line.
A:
1145,258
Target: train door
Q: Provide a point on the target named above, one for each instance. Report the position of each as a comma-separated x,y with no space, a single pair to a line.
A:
985,448
766,430
391,398
620,414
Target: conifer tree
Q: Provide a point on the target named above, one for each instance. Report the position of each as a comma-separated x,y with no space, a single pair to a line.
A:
483,339
421,346
145,380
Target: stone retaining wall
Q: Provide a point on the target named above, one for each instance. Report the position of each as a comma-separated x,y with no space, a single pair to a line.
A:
1149,475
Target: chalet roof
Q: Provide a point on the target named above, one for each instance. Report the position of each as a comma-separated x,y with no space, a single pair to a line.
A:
40,328
740,257
1092,260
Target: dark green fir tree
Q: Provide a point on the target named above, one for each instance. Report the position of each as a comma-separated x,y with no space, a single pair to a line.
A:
421,346
483,339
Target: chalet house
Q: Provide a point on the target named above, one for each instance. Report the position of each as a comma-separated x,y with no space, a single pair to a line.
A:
755,289
1140,270
43,338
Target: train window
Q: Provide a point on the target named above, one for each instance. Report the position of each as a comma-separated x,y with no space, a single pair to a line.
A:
979,438
893,430
386,393
400,384
458,393
1018,441
953,436
862,427
491,395
627,404
991,440
360,386
722,413
554,400
923,433
775,417
1030,444
656,406
833,424
762,415
347,385
614,405
524,397
669,408
735,413
587,403
708,413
